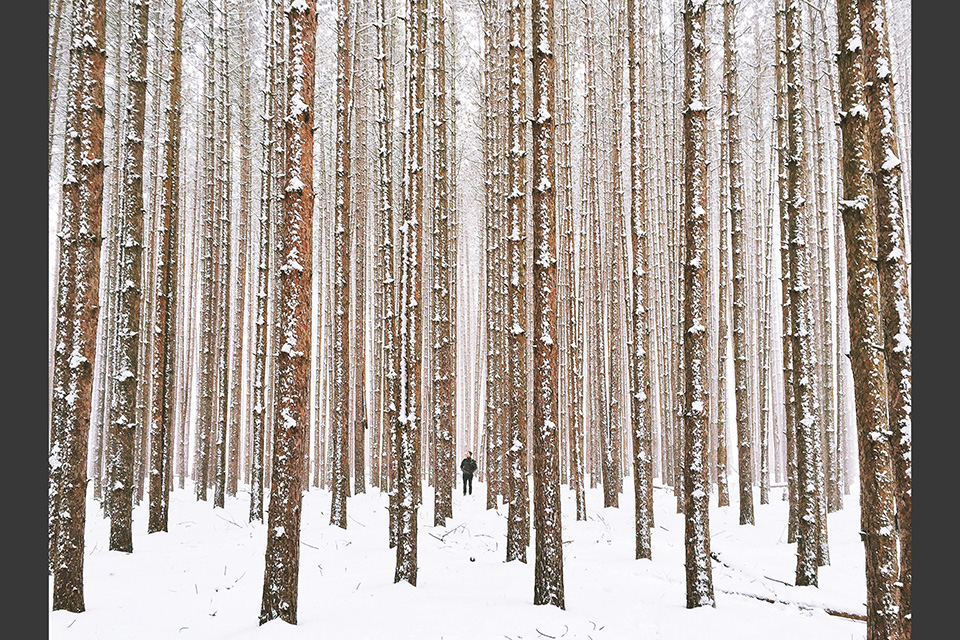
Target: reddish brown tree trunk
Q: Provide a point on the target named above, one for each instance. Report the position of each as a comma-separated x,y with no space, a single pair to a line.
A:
548,567
877,481
165,364
282,556
77,303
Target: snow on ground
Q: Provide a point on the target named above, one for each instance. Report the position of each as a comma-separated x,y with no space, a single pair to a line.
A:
204,578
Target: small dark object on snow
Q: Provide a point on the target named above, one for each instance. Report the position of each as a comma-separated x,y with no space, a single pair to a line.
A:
472,559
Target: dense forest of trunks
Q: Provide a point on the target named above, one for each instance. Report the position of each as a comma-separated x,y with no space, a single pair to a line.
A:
302,243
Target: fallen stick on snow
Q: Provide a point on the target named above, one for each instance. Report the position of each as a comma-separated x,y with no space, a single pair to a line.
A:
802,605
715,556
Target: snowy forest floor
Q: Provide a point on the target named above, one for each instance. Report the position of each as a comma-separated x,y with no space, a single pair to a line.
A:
204,578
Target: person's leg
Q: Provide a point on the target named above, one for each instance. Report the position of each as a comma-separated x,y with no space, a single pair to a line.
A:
471,484
465,480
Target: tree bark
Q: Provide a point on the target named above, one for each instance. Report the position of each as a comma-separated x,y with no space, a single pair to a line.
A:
411,273
518,528
77,303
617,252
282,556
639,355
385,206
166,365
868,363
127,371
548,566
358,272
224,265
807,429
786,319
443,399
895,307
699,580
340,484
263,273
739,248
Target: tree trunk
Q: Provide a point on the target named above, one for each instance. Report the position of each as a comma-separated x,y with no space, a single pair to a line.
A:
893,277
282,556
443,399
127,370
764,232
207,356
723,305
451,255
639,355
563,127
53,52
723,280
490,318
548,567
617,251
696,495
77,303
385,206
359,219
340,485
238,354
807,430
877,480
166,364
263,273
739,248
411,273
518,528
786,320
224,266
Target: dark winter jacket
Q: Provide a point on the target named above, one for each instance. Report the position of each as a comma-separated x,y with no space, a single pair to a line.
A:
468,466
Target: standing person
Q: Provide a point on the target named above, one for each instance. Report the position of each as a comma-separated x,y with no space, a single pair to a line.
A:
468,465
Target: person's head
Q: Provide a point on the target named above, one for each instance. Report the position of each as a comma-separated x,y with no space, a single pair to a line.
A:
468,454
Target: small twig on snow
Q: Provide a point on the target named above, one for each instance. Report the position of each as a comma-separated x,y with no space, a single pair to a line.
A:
230,521
459,526
544,634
